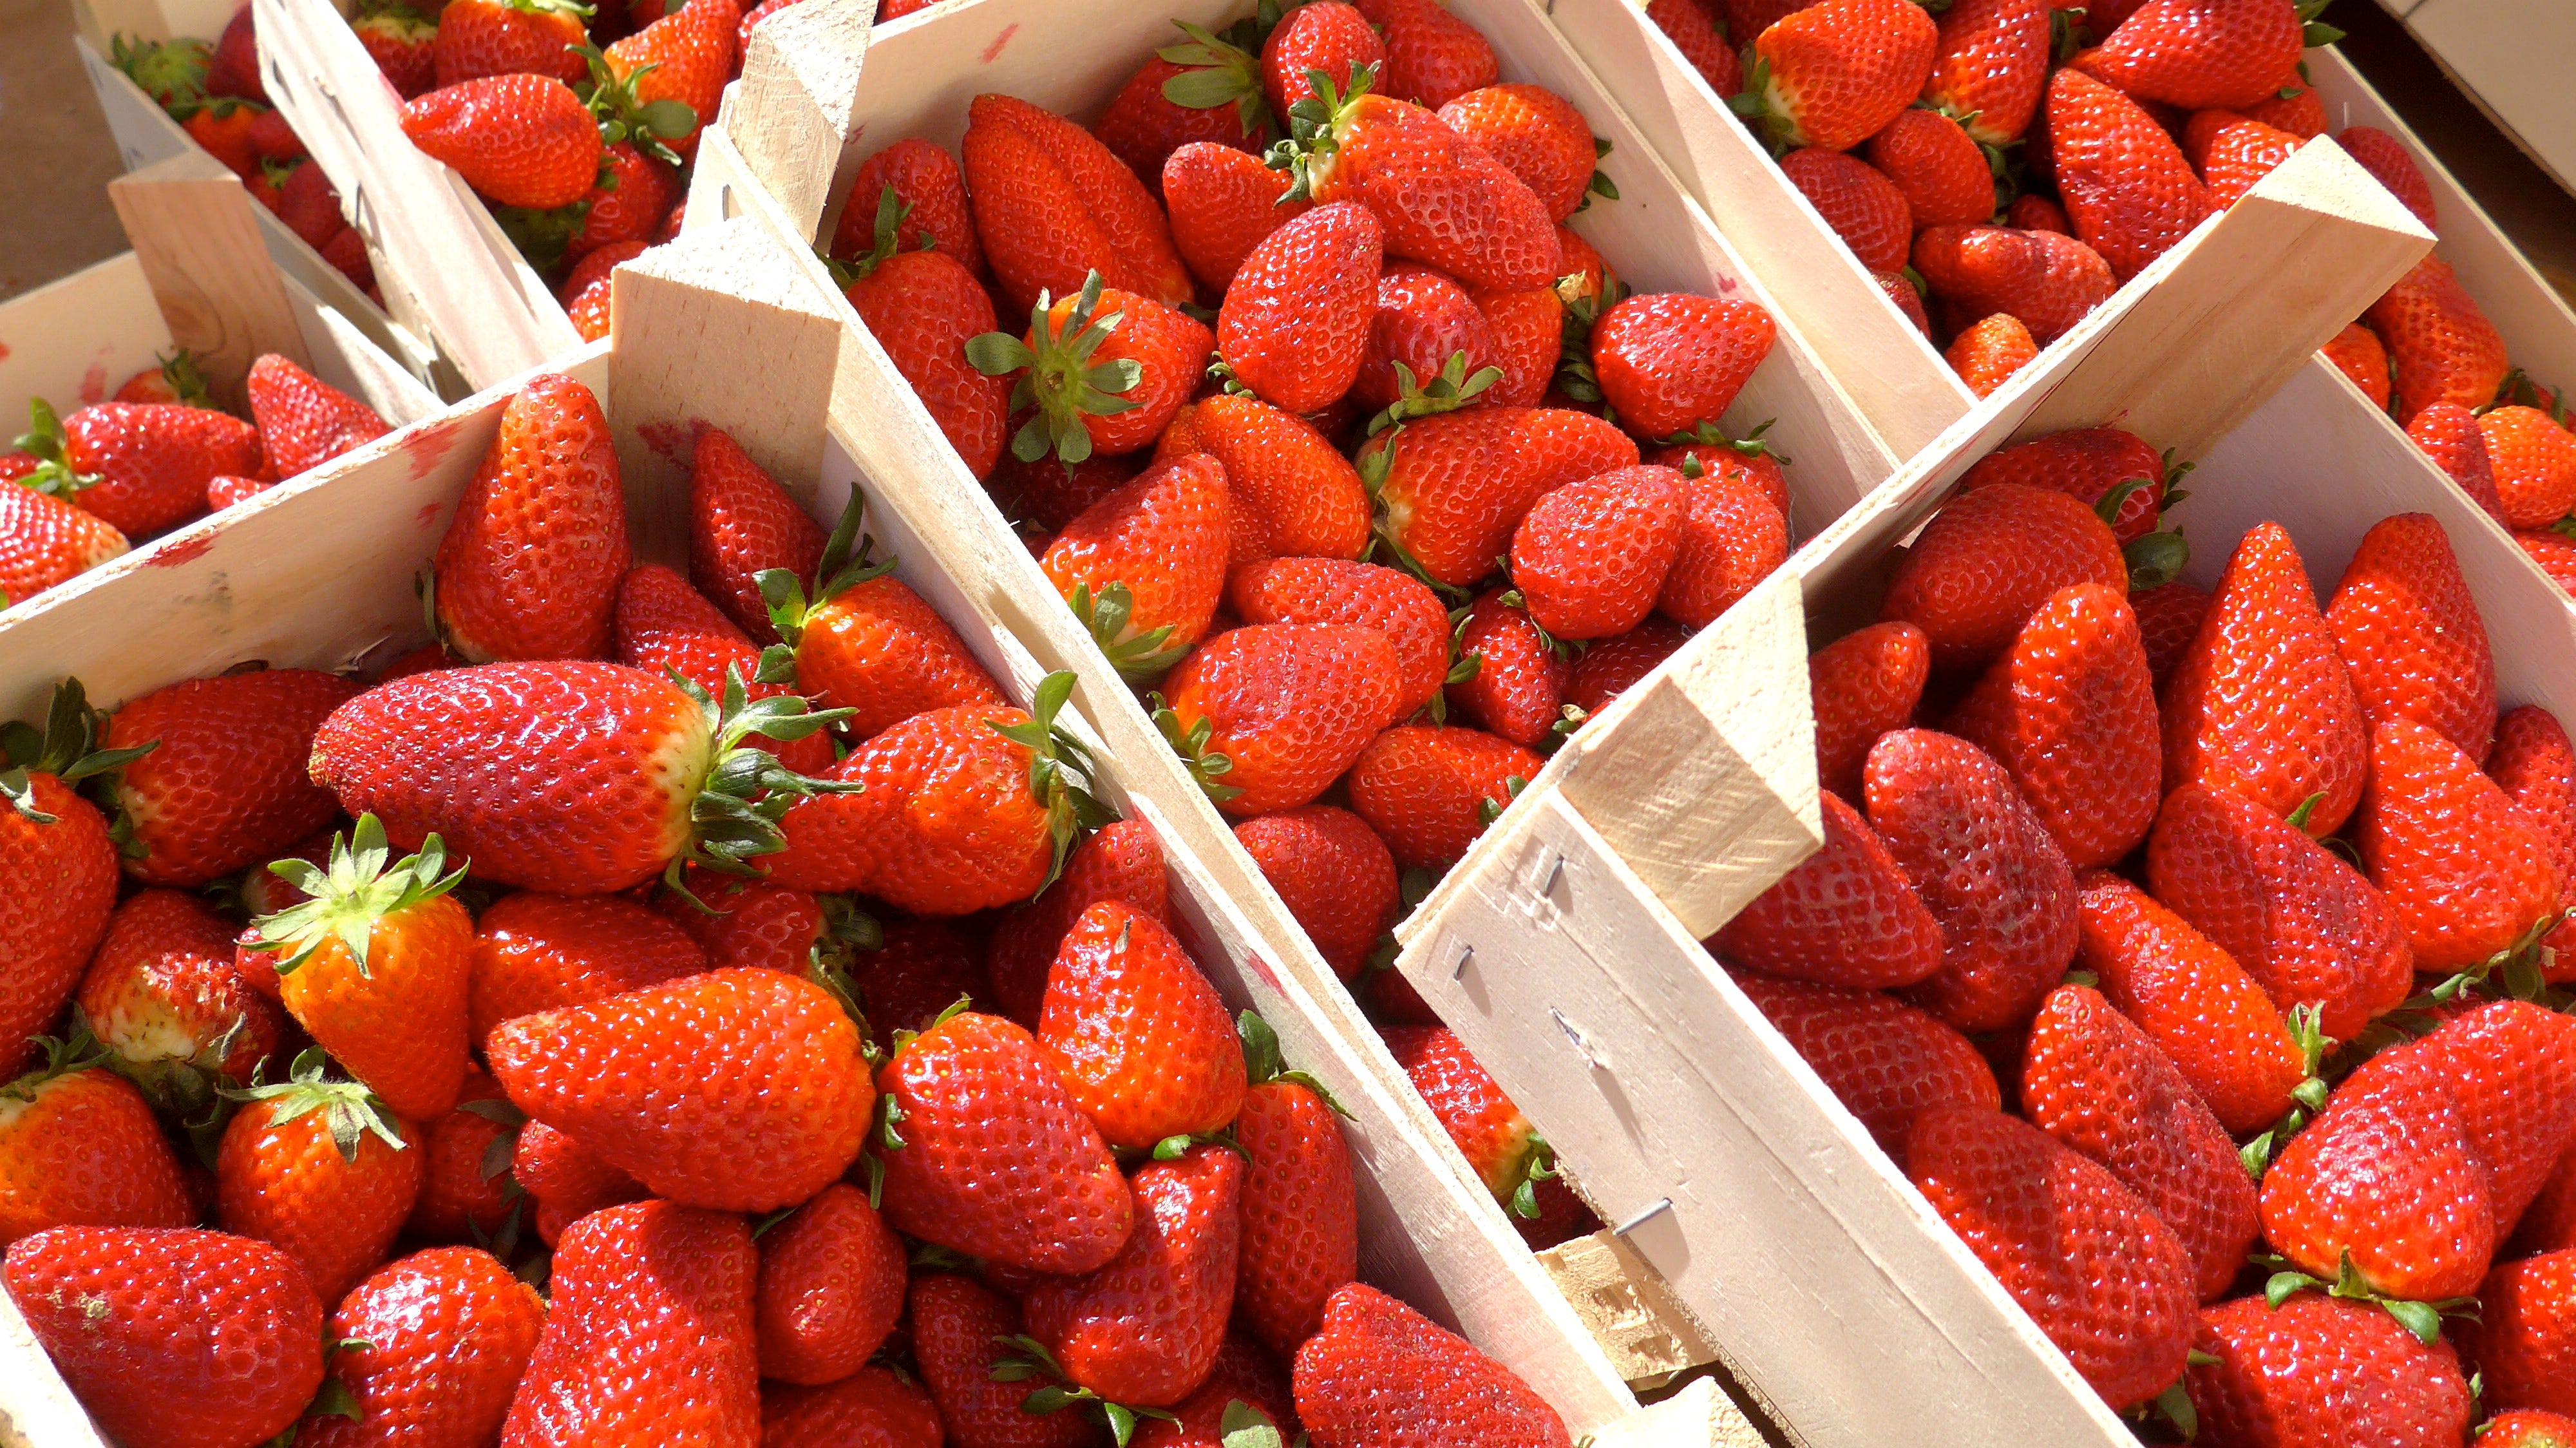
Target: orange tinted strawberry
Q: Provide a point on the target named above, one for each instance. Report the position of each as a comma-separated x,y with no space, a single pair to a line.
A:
529,566
588,290
663,623
1885,1061
1459,483
303,421
534,952
2534,457
1521,676
2536,768
2439,341
1053,205
1144,567
1669,362
1145,1328
1591,557
960,1332
925,308
321,1171
1537,134
1365,595
447,1334
2199,54
1989,64
1328,36
79,1147
1938,167
457,1199
1291,705
521,140
1866,209
874,1405
2408,629
869,644
742,522
1423,321
140,468
2529,1428
687,55
1989,559
1295,495
2128,189
1846,916
932,195
2049,282
2467,873
1987,354
1296,319
2232,153
1429,792
1441,199
1612,666
476,38
2451,436
163,996
1432,56
1224,201
1694,32
1834,74
2524,1341
1332,872
2357,354
2388,162
2333,1368
830,1289
1136,1033
1862,686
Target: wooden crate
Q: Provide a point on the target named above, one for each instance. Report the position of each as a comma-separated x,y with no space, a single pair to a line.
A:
145,135
319,574
2504,55
436,245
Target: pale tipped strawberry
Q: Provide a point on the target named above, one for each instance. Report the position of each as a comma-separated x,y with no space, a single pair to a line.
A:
164,997
1834,74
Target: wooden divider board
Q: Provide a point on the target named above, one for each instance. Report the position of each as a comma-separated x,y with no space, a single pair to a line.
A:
193,228
795,110
2509,57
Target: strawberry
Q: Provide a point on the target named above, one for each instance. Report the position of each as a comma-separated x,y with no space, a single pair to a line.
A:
2509,1067
1429,792
1938,166
322,1171
1122,862
309,205
1219,101
1694,31
650,1334
45,541
1537,134
2523,1341
223,129
1885,1061
687,56
458,1202
2128,189
1053,205
756,922
2453,438
1670,362
1380,1373
930,193
2555,553
875,1405
1846,916
2357,354
997,1160
2096,1082
431,1348
1612,666
477,38
1454,486
1425,324
662,623
1989,560
1137,1034
404,45
2292,106
1100,380
922,968
2085,464
1289,705
79,1147
1145,566
831,1286
1521,674
1441,199
1332,872
536,952
529,565
1591,557
1985,866
177,378
742,523
222,493
1834,74
2467,874
1987,354
233,67
1432,56
2232,153
2528,1429
1299,1219
2037,213
1326,36
1363,595
1144,1329
740,1089
2046,281
636,191
2534,457
869,639
961,1335
2199,54
1295,495
1041,497
227,785
303,421
2441,344
58,866
2261,705
2536,768
172,1338
376,963
1737,470
519,139
1990,62
2305,925
568,1181
2408,630
2318,1370
1224,201
1504,1151
1245,1388
140,468
2069,710
1866,209
2388,162
1862,686
589,290
163,997
1296,322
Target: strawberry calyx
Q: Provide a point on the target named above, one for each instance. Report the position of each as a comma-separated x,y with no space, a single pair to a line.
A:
69,1054
843,567
891,211
1109,617
1584,307
2307,1031
1448,390
346,900
1032,1360
1487,811
1057,376
543,237
1537,1164
2424,1319
1263,1063
1221,70
734,817
2312,31
1709,434
171,72
1762,112
1316,126
625,116
1207,766
67,749
2155,558
186,379
394,20
45,441
1060,771
1600,185
2518,390
354,1112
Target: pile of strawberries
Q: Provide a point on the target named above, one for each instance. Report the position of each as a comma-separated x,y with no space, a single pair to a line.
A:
367,1009
2199,957
79,490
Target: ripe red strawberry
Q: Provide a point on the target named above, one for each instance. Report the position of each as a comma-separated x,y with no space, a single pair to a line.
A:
303,421
831,1286
2528,1429
2357,354
2523,1343
1105,371
205,1338
1591,557
1143,125
2096,1082
45,541
628,205
322,1171
432,1346
741,524
1501,1147
1333,873
2232,153
1866,209
476,38
2199,54
869,644
663,623
403,44
2467,874
2534,457
568,1181
1938,166
1987,354
1053,205
1455,486
458,1202
2388,162
2037,213
1670,362
233,67
961,1333
224,129
1834,74
1224,201
2128,189
537,952
1426,324
1441,198
687,56
745,1090
1429,792
2319,1370
1908,301
1294,494
1041,497
529,565
2509,1067
2046,281
227,786
875,1405
79,1147
1521,674
1326,36
1136,1033
2292,106
1144,568
931,195
1846,916
1989,560
2085,463
1694,31
162,995
997,1160
1290,705
1990,63
1123,862
1885,1061
1537,134
2409,631
1380,1373
1987,869
1299,1219
588,291
1862,686
2452,437
922,968
756,922
521,140
1432,57
222,493
1246,1381
2440,342
1144,1329
1364,595
2536,768
2305,925
2555,553
1296,321
2070,712
1612,666
140,468
2261,705
650,1335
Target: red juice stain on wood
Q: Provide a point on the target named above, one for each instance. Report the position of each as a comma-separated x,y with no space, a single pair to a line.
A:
429,447
179,551
993,51
428,514
674,441
4,351
93,386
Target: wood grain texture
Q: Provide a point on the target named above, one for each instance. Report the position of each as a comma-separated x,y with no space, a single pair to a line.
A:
74,341
1699,1413
192,228
1629,1307
794,113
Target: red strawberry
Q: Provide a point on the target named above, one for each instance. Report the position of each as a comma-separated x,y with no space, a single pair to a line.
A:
2357,354
740,1089
1429,792
589,290
931,194
1986,867
1521,674
1612,666
1866,209
2408,630
1123,862
1053,205
2128,188
2467,874
1885,1061
227,785
1332,872
1862,686
233,68
1989,560
2528,1429
140,468
2046,281
1326,36
205,1338
1834,74
2452,437
2534,457
1500,1145
961,1332
521,140
1295,495
1669,362
2523,1341
1989,65
433,1347
224,128
1846,916
403,44
2233,153
1455,486
1224,201
529,566
2291,106
2388,162
997,1160
663,623
567,1180
1938,166
1296,321
1144,568
2536,768
222,493
741,524
1299,1225
2261,705
79,1147
1537,134
320,1170
163,996
1908,300
831,1286
305,422
756,922
2555,553
628,205
1137,1034
876,1406
1290,705
2038,213
1365,595
1426,324
1693,30
2109,1283
2085,464
2442,345
2320,1370
1144,1329
2509,1066
922,968
1591,557
537,952
1105,370
1987,354
2305,925
476,38
1245,1382
1041,497
687,56
868,639
458,1200
1432,56
1220,104
45,541
1380,1373
2199,54
650,1335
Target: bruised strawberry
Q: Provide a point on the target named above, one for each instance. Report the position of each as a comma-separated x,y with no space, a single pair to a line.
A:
1052,205
1884,1060
529,565
164,997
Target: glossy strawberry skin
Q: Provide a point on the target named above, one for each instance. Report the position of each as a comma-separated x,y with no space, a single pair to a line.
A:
2046,281
227,787
945,823
303,421
1363,595
878,648
1537,134
1884,1060
152,461
2508,1066
568,1181
831,1286
1846,916
2442,345
2128,189
1839,71
1614,666
923,307
742,522
45,541
1521,677
1052,204
1297,316
448,1332
536,952
521,140
1300,1233
1424,790
1328,36
2466,872
2534,458
2536,767
1224,202
456,1199
2198,54
2408,629
1380,1373
1432,57
1734,534
1441,199
529,566
476,38
926,180
1295,495
1989,560
1863,207
662,623
1671,361
1165,537
1990,63
1143,127
1938,166
2524,1342
2333,1368
1461,482
756,922
1122,861
1136,1033
1422,320
875,1406
2084,463
1863,685
687,55
1145,1328
2221,1031
2234,153
1694,31
1489,1130
83,1149
1292,705
163,996
958,1327
2357,353
1987,354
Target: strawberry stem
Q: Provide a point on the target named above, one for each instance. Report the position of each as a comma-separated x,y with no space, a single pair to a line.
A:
1057,376
1207,766
1109,616
346,900
68,750
354,1113
1060,769
1315,127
